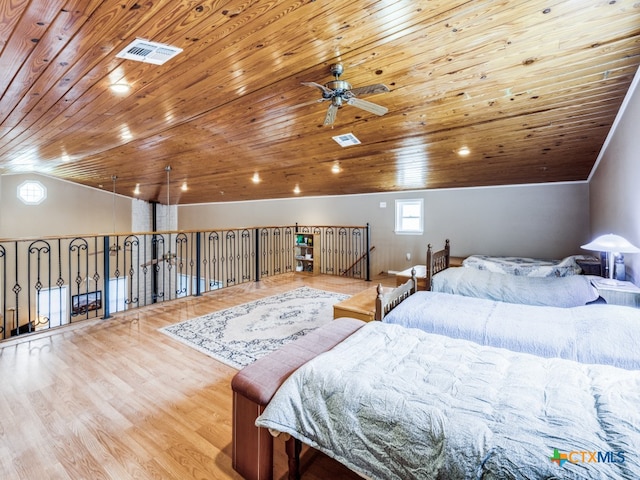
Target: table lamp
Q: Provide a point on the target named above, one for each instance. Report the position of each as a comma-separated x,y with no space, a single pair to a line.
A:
611,244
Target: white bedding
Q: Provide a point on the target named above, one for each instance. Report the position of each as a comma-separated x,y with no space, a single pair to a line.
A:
528,267
600,333
397,403
569,291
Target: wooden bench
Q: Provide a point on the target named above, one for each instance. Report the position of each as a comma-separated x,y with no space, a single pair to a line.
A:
254,386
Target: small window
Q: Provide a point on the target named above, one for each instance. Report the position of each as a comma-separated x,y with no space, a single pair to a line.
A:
32,192
409,217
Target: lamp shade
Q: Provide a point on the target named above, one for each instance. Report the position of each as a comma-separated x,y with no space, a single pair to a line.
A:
611,243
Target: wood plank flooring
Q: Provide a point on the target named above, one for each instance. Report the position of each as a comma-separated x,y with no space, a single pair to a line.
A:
116,399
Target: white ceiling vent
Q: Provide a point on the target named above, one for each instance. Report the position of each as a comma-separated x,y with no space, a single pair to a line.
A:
149,52
346,140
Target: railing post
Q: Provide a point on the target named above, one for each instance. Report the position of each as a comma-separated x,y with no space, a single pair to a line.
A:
257,247
368,260
105,249
198,266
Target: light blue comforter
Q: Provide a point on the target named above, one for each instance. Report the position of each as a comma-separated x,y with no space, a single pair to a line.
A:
570,291
397,403
600,333
528,267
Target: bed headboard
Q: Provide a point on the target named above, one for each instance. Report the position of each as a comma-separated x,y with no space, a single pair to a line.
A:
437,261
385,302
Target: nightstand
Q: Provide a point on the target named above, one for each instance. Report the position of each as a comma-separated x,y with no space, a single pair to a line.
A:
617,292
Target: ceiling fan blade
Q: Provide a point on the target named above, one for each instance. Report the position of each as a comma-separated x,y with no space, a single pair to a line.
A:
331,115
370,89
326,92
368,106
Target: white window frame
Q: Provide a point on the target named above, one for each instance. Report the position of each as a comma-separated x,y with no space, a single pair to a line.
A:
27,192
406,215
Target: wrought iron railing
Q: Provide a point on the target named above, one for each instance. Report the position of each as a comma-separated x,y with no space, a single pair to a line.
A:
49,282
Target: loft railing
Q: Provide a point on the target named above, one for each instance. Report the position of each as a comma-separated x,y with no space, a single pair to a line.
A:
50,282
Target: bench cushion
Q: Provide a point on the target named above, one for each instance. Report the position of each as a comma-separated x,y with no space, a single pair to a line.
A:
259,381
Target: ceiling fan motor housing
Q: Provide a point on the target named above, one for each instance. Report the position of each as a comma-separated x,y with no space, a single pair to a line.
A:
339,87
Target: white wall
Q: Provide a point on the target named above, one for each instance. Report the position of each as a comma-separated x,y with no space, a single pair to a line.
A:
614,189
69,209
535,220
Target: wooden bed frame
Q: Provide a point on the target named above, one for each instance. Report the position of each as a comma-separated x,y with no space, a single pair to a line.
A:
436,262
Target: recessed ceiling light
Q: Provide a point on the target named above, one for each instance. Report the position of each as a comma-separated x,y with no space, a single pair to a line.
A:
336,168
119,87
464,151
256,178
137,189
184,187
296,189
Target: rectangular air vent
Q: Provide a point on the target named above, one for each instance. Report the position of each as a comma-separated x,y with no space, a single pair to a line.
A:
346,140
149,52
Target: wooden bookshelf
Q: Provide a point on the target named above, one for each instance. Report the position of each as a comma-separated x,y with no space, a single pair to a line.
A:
307,253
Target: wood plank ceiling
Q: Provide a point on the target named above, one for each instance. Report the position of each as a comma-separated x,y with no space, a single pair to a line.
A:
530,87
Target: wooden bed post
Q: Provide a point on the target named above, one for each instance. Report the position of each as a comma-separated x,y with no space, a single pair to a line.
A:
447,252
429,267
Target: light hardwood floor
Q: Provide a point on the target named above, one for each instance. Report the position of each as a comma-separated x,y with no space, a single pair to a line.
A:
116,399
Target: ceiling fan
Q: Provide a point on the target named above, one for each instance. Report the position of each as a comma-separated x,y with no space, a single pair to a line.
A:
340,92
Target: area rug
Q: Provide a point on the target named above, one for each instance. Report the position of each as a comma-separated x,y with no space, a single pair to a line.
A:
239,335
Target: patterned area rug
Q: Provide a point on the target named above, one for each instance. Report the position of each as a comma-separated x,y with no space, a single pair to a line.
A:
240,335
